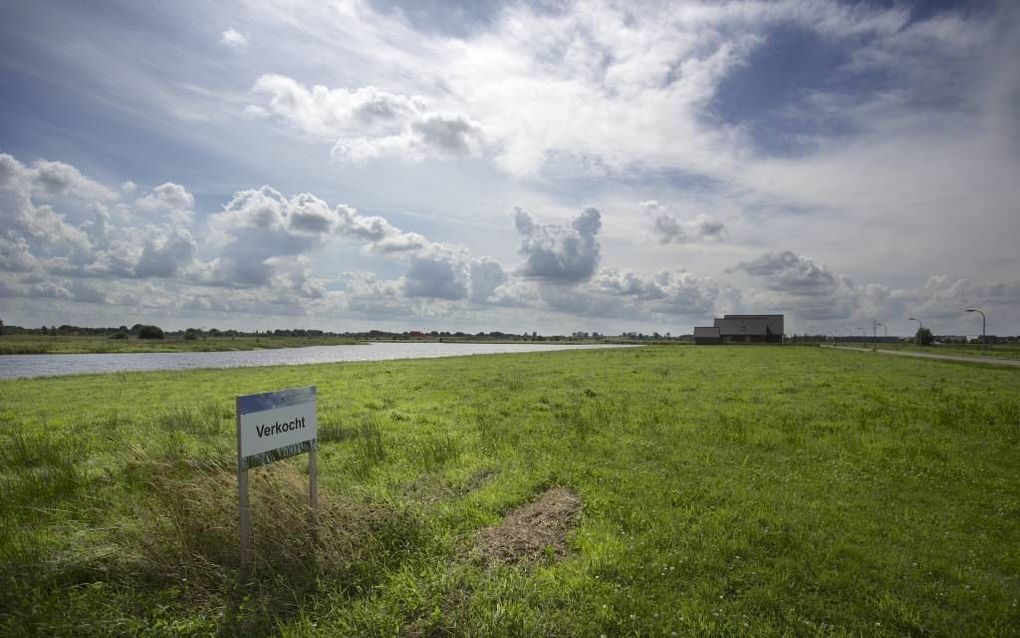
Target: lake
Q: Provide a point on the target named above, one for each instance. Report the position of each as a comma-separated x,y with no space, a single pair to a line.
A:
44,365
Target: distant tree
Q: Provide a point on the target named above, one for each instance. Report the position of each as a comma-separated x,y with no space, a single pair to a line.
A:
191,334
53,331
1,327
150,332
923,337
121,333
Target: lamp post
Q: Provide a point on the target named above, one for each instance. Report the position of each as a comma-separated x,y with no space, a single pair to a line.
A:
984,338
920,327
875,323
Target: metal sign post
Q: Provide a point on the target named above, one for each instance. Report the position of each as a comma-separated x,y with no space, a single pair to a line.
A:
270,427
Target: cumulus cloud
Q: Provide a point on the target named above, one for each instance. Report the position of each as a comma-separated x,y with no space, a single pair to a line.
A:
450,135
15,255
367,122
559,254
233,39
165,256
486,275
625,294
171,200
800,286
380,235
674,292
86,293
263,239
366,295
258,228
944,297
439,274
669,229
56,179
29,225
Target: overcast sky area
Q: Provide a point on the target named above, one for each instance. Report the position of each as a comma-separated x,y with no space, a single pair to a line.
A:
526,166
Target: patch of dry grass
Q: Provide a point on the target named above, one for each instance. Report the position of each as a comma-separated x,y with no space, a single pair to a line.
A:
534,531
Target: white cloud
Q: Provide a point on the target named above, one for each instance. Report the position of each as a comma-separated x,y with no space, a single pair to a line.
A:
15,255
233,39
57,179
624,294
559,254
797,285
171,200
165,256
368,123
437,274
258,229
669,229
28,225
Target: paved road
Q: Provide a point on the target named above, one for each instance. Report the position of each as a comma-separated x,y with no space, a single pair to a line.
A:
942,357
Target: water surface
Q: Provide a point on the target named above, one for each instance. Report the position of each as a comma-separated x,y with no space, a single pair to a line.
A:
43,365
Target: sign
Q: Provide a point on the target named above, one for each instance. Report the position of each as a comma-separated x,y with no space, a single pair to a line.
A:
270,427
275,425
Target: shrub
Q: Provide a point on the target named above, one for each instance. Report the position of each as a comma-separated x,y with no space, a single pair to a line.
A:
150,332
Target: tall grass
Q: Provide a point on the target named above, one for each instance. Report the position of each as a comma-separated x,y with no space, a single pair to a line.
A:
369,448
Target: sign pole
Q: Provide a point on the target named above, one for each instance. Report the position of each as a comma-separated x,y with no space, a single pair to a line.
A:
313,489
244,510
313,479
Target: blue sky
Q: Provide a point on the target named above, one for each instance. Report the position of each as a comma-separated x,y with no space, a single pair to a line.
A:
550,166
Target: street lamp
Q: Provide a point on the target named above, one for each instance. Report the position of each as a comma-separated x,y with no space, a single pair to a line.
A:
875,323
984,338
920,327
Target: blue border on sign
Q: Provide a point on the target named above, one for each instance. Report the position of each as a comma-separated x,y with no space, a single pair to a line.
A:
270,400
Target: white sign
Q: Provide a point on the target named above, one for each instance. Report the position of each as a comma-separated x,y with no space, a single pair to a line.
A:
270,427
275,425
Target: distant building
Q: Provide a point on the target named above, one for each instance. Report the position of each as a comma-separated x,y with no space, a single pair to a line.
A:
706,334
742,329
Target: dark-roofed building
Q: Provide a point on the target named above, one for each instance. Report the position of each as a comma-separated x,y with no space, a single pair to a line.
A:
707,335
742,329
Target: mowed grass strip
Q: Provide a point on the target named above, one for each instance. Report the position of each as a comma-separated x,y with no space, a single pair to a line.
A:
722,491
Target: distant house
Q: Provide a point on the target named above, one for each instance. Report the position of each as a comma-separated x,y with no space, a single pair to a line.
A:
707,335
742,329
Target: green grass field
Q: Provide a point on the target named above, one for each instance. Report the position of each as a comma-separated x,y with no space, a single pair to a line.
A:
37,344
722,490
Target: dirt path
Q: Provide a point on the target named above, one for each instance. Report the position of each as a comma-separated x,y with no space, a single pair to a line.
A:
942,357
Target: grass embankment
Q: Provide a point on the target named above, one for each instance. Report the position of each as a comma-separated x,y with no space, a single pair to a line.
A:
36,344
725,491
